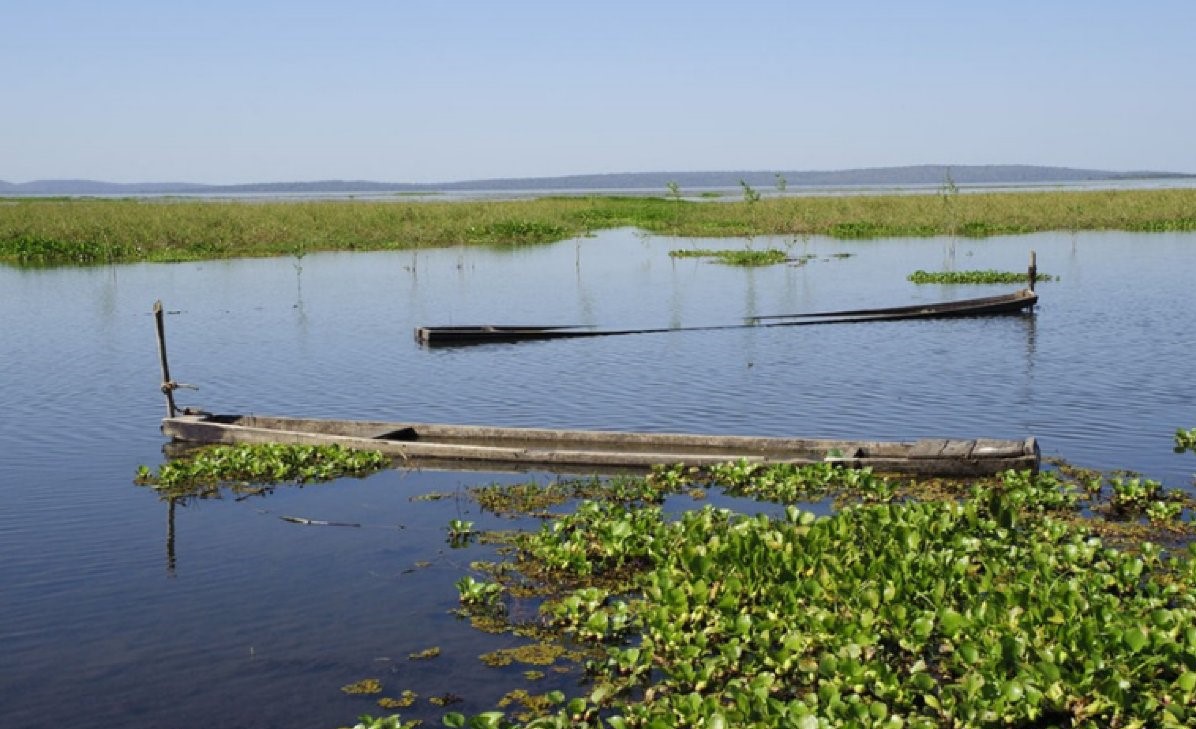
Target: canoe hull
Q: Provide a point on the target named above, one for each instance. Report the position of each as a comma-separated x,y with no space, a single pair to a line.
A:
427,444
465,335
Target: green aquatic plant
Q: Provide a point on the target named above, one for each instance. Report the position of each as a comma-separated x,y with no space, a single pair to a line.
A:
425,654
460,532
974,277
1185,440
406,699
515,233
1133,495
476,593
997,606
735,257
365,721
366,686
259,463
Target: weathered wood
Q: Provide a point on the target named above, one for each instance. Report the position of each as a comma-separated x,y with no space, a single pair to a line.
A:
958,449
928,448
1032,271
167,384
601,451
458,335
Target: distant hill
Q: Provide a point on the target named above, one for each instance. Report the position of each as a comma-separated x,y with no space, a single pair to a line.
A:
916,175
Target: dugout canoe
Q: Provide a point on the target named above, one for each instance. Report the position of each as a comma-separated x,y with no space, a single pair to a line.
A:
594,450
465,335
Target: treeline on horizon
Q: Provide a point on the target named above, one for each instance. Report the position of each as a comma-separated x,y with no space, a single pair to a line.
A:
83,231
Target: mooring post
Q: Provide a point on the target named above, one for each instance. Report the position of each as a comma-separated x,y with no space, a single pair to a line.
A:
167,384
1032,272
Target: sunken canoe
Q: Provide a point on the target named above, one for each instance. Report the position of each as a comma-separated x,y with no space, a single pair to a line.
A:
464,335
427,444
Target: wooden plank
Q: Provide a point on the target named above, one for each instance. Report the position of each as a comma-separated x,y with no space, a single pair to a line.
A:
928,448
959,449
989,448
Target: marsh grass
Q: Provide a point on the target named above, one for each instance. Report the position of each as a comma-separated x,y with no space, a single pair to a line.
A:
50,232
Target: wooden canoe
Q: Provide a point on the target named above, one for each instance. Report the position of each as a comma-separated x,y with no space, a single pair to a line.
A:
464,335
593,451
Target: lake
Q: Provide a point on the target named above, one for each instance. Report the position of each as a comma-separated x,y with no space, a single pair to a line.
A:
117,610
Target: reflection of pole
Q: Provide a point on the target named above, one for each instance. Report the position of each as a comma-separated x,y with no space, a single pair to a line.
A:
170,537
1032,272
167,385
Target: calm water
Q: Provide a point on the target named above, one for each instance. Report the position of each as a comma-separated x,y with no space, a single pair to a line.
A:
115,612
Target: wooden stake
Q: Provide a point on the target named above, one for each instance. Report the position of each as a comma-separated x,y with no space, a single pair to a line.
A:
168,385
1032,273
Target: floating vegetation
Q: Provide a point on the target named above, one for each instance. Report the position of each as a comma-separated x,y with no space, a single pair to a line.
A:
433,496
475,593
988,276
736,257
425,654
364,687
534,499
207,468
535,704
536,654
407,698
996,603
460,532
1185,440
385,722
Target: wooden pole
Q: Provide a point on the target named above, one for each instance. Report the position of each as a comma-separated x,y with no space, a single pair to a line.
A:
1032,272
168,385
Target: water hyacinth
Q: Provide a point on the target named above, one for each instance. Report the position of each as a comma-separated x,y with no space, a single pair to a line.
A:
988,276
258,463
1185,440
996,608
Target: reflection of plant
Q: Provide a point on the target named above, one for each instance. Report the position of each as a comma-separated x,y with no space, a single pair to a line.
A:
460,532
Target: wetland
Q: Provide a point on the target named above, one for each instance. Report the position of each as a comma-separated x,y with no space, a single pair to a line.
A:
247,607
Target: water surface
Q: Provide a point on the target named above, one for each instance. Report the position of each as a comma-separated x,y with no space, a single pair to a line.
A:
117,611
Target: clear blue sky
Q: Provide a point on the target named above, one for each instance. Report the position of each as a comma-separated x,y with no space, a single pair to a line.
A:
405,91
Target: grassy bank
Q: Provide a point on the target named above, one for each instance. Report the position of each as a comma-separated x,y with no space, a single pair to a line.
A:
87,231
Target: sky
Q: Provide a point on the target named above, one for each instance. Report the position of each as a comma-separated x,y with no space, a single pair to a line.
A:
433,91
